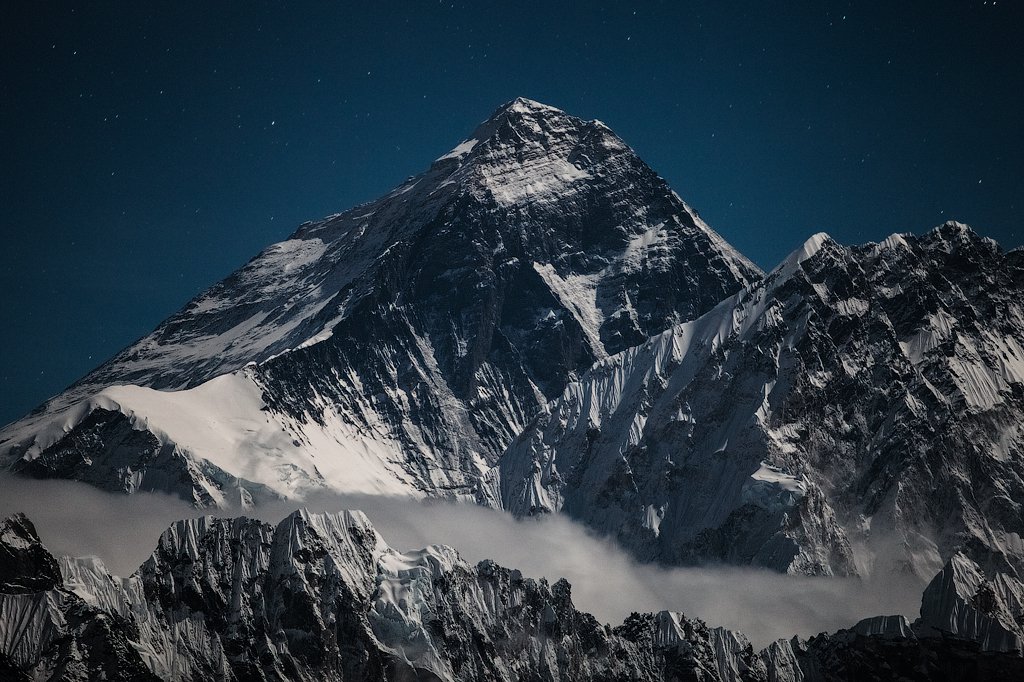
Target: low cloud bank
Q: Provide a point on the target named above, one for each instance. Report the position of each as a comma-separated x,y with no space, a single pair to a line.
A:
76,519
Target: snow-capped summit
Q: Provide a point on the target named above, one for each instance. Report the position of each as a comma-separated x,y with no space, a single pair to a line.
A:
858,410
399,346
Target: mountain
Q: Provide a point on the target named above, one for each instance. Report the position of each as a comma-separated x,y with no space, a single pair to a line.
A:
857,411
322,597
400,346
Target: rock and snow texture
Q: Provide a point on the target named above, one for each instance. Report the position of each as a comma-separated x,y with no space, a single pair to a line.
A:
857,410
964,602
48,633
321,596
970,628
400,345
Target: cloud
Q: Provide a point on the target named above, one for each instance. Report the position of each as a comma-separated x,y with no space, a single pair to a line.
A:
77,519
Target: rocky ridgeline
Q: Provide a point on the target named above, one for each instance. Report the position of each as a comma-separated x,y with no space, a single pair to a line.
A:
322,596
864,396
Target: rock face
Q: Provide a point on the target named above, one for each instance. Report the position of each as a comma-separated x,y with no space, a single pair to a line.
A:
866,397
970,628
48,633
401,345
25,565
963,601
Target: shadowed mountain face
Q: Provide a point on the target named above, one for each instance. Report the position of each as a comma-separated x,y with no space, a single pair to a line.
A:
857,410
416,335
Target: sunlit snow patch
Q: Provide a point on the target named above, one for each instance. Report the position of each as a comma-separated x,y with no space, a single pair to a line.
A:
771,488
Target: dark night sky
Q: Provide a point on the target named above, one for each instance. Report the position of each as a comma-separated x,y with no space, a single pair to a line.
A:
149,152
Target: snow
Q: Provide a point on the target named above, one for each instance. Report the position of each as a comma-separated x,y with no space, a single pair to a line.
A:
893,242
771,488
29,623
463,148
653,516
949,606
524,105
640,245
224,421
774,476
808,249
938,327
578,293
544,179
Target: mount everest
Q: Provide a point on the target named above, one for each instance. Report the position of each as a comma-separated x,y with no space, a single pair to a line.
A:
400,346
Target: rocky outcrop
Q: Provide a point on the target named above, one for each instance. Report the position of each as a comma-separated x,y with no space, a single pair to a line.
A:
25,565
970,629
964,602
49,633
322,596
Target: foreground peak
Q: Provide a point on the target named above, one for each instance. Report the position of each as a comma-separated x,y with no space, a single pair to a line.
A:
25,565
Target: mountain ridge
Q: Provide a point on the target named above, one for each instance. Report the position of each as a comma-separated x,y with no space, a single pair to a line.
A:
322,596
845,376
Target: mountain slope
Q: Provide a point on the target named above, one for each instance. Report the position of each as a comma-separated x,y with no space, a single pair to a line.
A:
858,410
416,334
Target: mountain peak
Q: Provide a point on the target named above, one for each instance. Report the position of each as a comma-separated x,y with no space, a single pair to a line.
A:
524,105
540,244
954,231
518,122
526,123
811,246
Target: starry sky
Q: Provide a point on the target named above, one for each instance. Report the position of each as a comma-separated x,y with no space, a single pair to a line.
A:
151,148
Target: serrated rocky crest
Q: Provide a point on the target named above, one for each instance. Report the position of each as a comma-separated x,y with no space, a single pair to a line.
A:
323,597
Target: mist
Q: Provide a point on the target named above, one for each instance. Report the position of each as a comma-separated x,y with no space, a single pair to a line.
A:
77,519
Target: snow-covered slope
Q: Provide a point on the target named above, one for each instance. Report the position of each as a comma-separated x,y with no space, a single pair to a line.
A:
402,343
48,633
859,409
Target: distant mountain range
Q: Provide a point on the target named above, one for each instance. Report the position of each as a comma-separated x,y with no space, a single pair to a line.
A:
539,324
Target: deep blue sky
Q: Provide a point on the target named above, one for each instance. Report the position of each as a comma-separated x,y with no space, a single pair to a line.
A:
148,152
